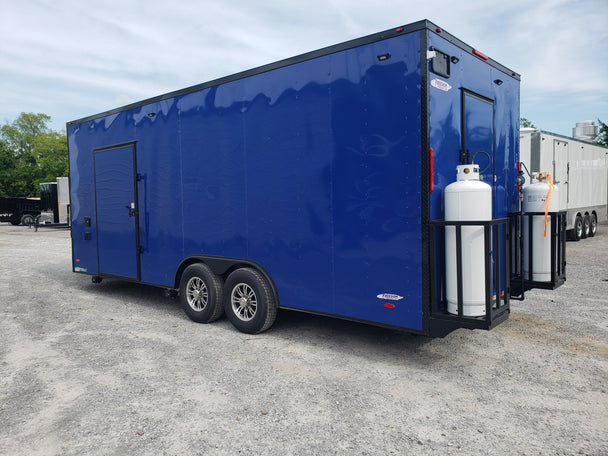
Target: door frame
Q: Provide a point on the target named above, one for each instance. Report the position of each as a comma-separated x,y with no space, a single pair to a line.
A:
137,248
464,154
564,196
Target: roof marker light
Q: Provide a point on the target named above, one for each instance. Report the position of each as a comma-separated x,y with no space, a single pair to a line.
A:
399,30
481,55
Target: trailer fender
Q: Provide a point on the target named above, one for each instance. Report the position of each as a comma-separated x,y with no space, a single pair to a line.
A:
223,267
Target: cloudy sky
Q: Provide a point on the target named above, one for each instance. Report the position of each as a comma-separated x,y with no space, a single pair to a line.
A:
74,58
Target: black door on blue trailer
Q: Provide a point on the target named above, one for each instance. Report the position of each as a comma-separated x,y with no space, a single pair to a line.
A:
117,214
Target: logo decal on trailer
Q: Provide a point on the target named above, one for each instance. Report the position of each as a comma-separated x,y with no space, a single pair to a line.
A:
441,85
389,297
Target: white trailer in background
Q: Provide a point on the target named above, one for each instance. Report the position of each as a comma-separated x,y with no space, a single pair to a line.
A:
63,199
578,167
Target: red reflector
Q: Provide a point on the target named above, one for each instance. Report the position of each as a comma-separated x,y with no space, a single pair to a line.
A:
481,55
519,171
399,30
388,305
438,30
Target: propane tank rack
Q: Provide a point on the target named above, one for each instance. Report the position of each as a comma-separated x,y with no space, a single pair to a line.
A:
496,235
522,282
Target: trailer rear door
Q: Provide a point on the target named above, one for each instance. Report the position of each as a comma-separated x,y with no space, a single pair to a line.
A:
560,170
478,138
116,206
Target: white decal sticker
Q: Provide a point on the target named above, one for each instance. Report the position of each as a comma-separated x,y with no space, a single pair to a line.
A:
441,85
389,297
79,269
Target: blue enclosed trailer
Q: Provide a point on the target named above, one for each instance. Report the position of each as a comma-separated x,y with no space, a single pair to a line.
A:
314,183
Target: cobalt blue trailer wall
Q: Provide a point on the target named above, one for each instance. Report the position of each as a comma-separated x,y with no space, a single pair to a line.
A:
475,110
315,169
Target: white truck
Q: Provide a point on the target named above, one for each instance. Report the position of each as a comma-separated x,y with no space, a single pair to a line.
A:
578,167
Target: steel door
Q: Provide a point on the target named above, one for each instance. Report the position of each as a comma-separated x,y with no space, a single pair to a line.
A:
478,138
478,144
560,170
117,217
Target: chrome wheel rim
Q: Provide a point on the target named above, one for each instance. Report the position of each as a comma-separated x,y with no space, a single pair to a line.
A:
244,302
197,294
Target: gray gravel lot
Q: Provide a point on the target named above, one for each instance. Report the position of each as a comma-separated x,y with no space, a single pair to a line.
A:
117,368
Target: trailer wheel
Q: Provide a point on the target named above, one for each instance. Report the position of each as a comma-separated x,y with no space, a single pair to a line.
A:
27,219
249,301
586,226
592,225
200,293
577,232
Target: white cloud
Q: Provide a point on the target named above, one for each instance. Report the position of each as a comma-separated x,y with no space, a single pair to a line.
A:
71,58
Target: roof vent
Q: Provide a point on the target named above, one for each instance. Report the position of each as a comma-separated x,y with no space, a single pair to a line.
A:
587,130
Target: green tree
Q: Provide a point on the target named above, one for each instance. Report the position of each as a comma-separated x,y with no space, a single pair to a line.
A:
602,137
30,153
52,152
7,167
525,123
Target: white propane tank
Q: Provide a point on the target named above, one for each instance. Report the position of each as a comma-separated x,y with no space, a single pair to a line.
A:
467,199
535,200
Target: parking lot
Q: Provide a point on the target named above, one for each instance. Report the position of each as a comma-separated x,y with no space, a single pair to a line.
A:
118,368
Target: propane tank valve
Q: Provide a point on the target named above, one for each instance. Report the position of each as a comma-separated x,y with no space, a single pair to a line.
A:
520,180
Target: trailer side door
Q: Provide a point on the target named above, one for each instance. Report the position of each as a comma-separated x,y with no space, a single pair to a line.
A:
560,170
116,206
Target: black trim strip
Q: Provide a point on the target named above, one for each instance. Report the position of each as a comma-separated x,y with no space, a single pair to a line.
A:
425,198
357,320
114,146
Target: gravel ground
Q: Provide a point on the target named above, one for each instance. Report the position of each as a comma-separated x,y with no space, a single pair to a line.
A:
117,368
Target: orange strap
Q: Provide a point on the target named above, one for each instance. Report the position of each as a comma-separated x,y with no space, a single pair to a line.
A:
551,187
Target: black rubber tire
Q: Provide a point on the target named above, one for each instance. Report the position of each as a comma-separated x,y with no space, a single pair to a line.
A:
577,231
27,219
586,226
249,301
592,225
201,293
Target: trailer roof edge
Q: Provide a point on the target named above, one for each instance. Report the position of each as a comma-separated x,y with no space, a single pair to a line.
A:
424,24
559,135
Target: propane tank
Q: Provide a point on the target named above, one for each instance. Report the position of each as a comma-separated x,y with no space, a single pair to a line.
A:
540,196
467,199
